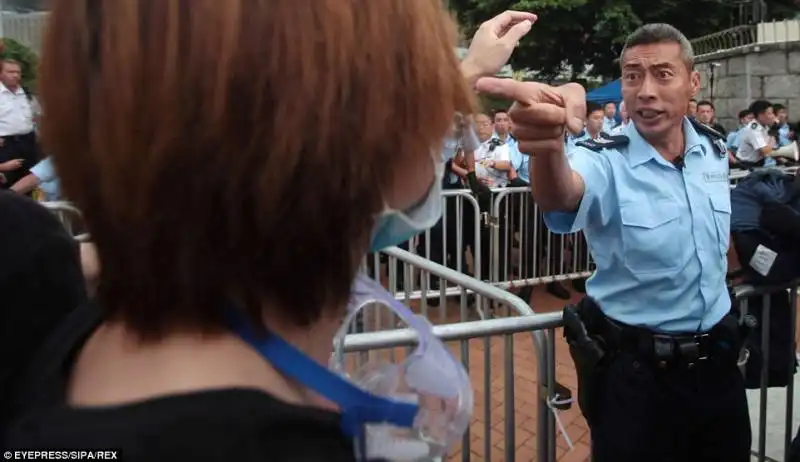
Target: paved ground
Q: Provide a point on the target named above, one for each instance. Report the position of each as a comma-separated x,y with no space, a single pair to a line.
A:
525,383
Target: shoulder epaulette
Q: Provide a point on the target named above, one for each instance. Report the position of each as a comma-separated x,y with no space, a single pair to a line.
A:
706,130
609,142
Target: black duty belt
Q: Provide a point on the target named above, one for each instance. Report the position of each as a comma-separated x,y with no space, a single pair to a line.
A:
15,138
666,350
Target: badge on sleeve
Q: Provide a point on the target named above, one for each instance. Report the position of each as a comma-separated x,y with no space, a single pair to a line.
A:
754,125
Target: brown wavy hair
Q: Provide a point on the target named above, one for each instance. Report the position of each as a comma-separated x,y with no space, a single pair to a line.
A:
239,152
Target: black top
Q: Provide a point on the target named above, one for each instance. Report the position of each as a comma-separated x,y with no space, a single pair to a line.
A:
220,425
40,284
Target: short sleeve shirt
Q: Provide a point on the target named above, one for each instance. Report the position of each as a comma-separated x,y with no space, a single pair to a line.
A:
463,137
752,138
488,152
658,233
519,161
46,173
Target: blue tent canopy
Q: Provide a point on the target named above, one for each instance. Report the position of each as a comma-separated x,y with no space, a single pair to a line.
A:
610,92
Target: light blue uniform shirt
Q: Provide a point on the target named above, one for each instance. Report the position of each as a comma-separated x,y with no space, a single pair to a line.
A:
518,160
732,142
658,234
609,124
783,135
48,180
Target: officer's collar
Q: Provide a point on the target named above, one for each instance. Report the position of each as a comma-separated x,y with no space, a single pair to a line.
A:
495,136
640,151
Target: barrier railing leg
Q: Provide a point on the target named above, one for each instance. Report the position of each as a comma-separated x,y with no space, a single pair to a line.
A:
789,428
551,380
762,410
510,420
543,410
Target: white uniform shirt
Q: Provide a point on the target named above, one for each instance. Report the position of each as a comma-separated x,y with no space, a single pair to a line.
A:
16,115
753,137
484,155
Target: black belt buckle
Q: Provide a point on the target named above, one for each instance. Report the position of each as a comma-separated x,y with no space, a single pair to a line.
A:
663,349
693,349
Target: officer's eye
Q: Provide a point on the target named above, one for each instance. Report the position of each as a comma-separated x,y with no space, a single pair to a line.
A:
630,76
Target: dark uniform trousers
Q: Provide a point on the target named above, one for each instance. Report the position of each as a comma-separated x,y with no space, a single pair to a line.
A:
662,397
645,413
19,147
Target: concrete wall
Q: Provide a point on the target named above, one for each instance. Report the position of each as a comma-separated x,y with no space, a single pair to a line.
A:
774,75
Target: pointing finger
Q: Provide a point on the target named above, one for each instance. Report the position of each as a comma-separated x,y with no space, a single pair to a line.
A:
525,93
574,96
538,114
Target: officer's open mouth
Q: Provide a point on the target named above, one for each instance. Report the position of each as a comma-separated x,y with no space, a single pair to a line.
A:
649,114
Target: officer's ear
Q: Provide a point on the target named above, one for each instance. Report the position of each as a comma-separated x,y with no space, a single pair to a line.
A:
694,82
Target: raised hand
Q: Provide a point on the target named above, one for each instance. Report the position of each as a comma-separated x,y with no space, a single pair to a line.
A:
494,41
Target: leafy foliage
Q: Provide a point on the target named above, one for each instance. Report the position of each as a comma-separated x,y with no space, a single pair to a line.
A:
588,35
11,49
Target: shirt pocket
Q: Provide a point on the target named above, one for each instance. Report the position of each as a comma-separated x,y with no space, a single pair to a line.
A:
651,237
721,208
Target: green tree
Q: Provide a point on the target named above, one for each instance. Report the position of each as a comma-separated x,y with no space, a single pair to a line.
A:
11,49
577,36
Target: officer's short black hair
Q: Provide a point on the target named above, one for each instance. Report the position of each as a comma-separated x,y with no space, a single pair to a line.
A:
650,34
498,111
706,103
744,113
592,106
778,107
759,107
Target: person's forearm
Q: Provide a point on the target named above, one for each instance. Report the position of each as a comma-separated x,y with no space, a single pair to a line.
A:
554,186
470,72
458,170
25,185
469,160
502,165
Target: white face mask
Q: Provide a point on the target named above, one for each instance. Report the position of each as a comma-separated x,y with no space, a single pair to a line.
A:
395,226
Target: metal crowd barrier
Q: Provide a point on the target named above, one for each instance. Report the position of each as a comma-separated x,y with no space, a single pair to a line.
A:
743,293
540,257
540,326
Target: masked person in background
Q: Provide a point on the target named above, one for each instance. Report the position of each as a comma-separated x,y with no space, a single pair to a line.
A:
219,313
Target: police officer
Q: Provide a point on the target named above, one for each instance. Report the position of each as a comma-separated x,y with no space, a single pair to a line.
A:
755,144
609,116
732,143
655,342
18,149
595,126
782,116
623,112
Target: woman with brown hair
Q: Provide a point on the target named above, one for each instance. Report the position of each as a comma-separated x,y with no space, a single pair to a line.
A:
234,161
